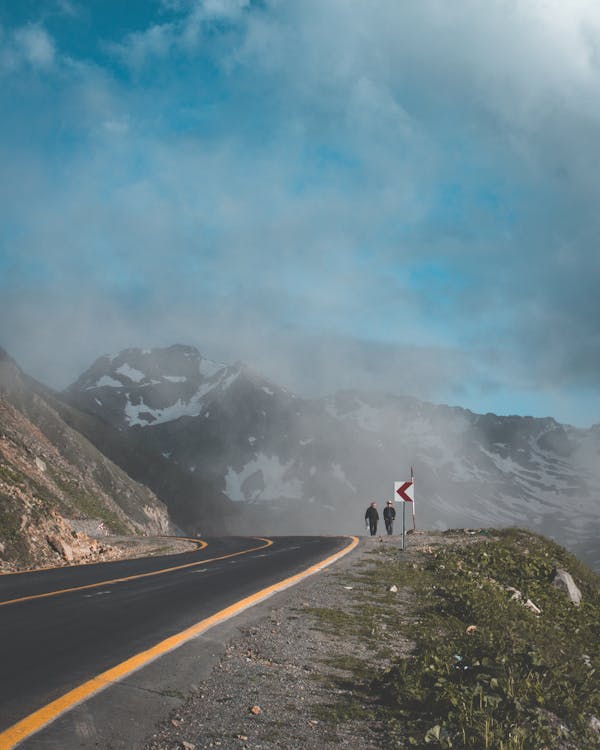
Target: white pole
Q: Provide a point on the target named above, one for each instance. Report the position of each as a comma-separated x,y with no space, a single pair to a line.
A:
412,476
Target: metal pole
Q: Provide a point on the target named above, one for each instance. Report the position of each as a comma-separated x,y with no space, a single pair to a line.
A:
403,526
414,515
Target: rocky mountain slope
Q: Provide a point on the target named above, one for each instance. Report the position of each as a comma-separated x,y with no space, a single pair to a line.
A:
53,481
293,464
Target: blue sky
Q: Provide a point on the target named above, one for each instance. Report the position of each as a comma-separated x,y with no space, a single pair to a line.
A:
391,195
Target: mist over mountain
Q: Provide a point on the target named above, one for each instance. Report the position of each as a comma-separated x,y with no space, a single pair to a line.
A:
294,465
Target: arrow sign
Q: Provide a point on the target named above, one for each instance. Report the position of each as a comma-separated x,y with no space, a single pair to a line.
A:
405,491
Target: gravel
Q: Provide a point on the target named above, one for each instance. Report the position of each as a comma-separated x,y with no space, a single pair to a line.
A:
267,688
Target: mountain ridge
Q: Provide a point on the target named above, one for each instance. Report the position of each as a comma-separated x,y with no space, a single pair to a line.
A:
315,463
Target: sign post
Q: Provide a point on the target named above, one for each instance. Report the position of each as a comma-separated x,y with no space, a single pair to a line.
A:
405,492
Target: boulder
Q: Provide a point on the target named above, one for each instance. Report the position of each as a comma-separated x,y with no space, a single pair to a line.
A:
564,581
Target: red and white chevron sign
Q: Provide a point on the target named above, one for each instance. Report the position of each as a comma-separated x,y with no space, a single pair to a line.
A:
405,491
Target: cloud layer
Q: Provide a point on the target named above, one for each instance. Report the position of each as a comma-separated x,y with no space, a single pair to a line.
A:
399,196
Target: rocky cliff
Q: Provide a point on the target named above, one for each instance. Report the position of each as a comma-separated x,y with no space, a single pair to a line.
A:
52,479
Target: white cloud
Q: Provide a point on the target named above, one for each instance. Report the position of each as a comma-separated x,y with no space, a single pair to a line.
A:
29,45
348,145
141,47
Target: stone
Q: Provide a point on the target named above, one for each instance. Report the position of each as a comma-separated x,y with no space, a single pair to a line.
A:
61,547
564,581
530,605
393,588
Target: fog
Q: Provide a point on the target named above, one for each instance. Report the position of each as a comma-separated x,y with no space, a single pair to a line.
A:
401,196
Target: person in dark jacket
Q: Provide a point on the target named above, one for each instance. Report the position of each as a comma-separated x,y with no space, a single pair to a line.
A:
372,516
389,516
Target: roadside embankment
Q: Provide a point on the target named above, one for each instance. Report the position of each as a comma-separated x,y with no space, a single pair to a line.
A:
466,639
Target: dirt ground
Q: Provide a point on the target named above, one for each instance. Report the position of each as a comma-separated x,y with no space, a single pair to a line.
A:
267,690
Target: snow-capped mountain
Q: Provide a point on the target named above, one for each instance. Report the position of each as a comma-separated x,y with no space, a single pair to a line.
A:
253,439
316,463
488,470
141,387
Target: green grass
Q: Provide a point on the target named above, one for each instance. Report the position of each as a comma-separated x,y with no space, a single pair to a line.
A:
89,505
10,475
516,681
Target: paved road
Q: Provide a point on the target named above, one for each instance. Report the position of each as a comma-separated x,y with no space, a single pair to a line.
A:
105,614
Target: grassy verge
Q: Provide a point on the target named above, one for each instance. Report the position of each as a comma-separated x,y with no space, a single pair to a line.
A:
484,671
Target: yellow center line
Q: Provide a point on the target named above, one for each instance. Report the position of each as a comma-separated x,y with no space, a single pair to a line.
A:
47,714
268,543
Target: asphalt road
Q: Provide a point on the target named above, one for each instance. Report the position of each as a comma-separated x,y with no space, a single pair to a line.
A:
59,628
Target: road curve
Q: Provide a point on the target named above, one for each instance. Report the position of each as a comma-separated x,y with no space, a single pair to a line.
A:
68,632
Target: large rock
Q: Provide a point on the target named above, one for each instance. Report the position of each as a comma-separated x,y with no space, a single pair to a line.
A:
564,581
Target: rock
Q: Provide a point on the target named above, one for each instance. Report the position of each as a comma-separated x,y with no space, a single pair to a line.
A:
530,605
61,547
564,581
594,724
518,596
393,588
188,745
256,710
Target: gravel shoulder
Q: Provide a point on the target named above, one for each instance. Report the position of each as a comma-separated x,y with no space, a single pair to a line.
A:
126,547
281,675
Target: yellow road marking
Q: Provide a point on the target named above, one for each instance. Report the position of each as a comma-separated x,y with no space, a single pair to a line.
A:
268,543
201,545
47,714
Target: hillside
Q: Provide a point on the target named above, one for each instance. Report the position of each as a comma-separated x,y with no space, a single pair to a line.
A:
427,647
54,483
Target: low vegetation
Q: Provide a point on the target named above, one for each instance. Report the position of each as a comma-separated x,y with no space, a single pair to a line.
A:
484,670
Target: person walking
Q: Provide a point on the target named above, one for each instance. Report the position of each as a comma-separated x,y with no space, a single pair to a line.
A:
372,517
389,516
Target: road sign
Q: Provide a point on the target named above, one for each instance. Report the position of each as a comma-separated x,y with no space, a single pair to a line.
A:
405,492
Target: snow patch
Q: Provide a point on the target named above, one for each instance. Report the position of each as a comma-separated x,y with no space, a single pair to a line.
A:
207,368
107,382
268,391
228,381
143,415
276,483
175,378
130,372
